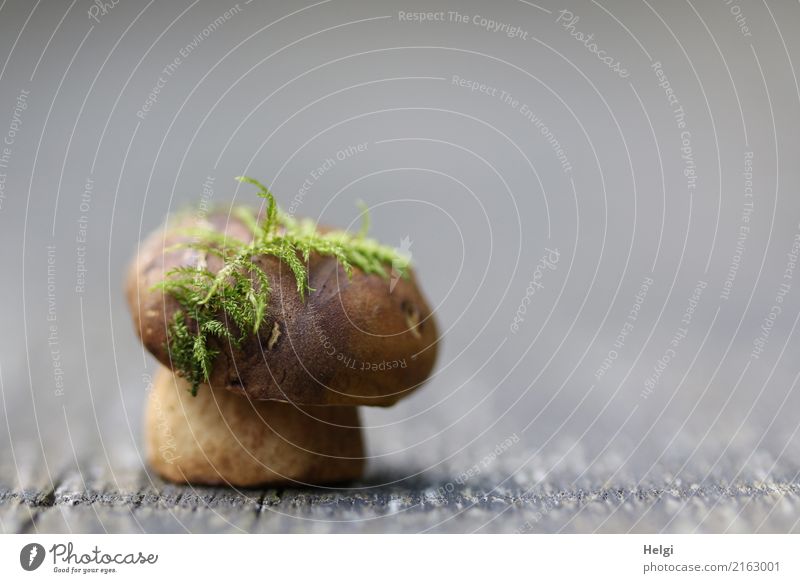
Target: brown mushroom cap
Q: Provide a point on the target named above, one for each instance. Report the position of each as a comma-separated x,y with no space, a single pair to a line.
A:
362,340
218,438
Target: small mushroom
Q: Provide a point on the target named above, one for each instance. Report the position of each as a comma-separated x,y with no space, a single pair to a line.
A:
219,438
267,350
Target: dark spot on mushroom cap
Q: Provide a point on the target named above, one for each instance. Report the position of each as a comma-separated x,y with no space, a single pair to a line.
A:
411,313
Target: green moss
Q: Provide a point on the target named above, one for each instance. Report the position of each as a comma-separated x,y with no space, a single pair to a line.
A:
232,304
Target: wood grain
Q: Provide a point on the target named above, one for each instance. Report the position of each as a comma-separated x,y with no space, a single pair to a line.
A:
89,499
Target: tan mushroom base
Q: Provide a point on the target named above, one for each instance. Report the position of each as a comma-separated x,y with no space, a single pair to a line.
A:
220,438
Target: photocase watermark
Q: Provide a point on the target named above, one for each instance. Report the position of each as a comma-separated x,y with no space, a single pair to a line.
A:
200,216
744,228
3,182
404,16
325,166
526,112
172,67
53,339
169,446
477,20
9,139
66,560
206,194
330,349
627,328
768,323
548,262
568,22
475,86
477,468
739,17
82,236
680,334
530,524
679,115
99,9
489,24
31,556
522,108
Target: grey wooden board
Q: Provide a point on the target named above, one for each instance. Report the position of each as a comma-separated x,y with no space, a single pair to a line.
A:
87,499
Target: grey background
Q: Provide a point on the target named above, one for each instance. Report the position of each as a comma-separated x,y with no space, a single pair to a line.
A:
278,88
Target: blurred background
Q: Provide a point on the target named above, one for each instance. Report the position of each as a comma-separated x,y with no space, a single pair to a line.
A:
601,198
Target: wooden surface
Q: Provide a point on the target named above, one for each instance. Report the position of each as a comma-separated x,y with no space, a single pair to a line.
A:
88,499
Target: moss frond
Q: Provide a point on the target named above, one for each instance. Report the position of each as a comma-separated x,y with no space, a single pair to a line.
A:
231,304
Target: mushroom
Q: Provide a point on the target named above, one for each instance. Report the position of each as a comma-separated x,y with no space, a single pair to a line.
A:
337,321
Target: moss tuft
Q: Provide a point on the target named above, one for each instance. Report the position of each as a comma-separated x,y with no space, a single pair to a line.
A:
232,304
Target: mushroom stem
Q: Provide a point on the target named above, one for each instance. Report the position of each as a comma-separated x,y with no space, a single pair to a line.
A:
220,438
